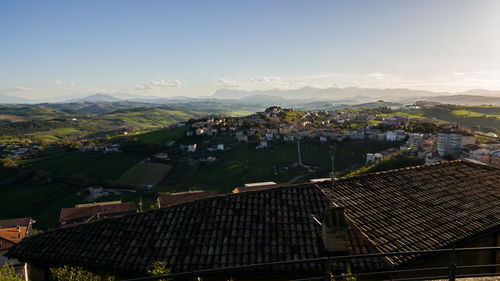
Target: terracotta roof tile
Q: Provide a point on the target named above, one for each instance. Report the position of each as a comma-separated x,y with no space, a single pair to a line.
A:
426,207
69,214
15,222
173,199
13,231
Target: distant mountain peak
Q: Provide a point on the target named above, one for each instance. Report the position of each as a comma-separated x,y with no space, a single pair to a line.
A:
95,98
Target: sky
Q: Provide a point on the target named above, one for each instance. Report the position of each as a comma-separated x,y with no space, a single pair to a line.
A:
192,48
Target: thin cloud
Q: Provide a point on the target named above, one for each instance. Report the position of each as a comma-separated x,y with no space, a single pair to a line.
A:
251,83
226,83
378,75
20,89
159,84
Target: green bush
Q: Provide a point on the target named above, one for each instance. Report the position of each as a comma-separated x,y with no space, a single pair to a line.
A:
346,276
7,273
159,268
68,273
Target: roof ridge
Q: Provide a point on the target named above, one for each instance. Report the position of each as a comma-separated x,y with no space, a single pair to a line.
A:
416,167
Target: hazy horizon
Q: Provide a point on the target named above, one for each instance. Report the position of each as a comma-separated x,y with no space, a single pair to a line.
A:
165,49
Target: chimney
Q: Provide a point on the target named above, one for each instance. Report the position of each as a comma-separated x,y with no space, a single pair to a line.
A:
334,230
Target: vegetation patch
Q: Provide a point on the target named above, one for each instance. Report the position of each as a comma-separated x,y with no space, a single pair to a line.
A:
244,164
145,173
161,136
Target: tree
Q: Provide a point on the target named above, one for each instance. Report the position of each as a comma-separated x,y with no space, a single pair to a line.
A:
258,137
8,273
9,163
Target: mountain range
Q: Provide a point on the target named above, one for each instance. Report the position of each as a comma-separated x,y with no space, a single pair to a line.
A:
8,99
287,97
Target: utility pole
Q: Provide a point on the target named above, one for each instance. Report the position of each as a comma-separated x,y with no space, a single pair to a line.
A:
332,156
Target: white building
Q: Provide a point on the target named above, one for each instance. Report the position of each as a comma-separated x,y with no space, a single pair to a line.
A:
396,135
449,143
191,148
263,144
357,135
373,157
479,154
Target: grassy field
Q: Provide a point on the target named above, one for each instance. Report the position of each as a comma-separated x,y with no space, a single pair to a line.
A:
147,117
468,116
399,161
99,167
62,163
161,136
144,173
410,113
243,165
110,166
41,202
45,138
466,113
348,154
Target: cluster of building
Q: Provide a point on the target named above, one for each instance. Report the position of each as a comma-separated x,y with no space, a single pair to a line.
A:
16,150
484,153
270,127
101,147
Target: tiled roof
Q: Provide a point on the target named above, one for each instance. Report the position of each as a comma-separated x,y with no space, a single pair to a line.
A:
424,207
421,208
13,230
15,222
13,234
68,214
237,229
173,199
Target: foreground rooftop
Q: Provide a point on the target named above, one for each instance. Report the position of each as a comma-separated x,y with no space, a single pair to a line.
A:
416,208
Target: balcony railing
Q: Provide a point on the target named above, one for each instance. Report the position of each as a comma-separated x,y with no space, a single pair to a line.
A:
451,271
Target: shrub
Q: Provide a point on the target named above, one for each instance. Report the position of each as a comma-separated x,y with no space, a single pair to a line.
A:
159,268
68,273
346,276
7,273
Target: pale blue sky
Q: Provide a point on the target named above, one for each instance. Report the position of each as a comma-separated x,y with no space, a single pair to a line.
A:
165,48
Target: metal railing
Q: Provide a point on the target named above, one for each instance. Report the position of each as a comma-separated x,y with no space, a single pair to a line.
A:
394,274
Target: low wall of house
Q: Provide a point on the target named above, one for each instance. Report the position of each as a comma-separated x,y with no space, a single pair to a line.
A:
462,259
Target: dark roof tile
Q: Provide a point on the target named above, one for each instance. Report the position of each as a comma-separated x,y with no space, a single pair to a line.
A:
425,207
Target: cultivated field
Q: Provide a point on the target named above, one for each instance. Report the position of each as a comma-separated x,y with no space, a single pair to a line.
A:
144,173
244,164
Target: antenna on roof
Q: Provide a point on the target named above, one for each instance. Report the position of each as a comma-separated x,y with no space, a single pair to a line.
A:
332,155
